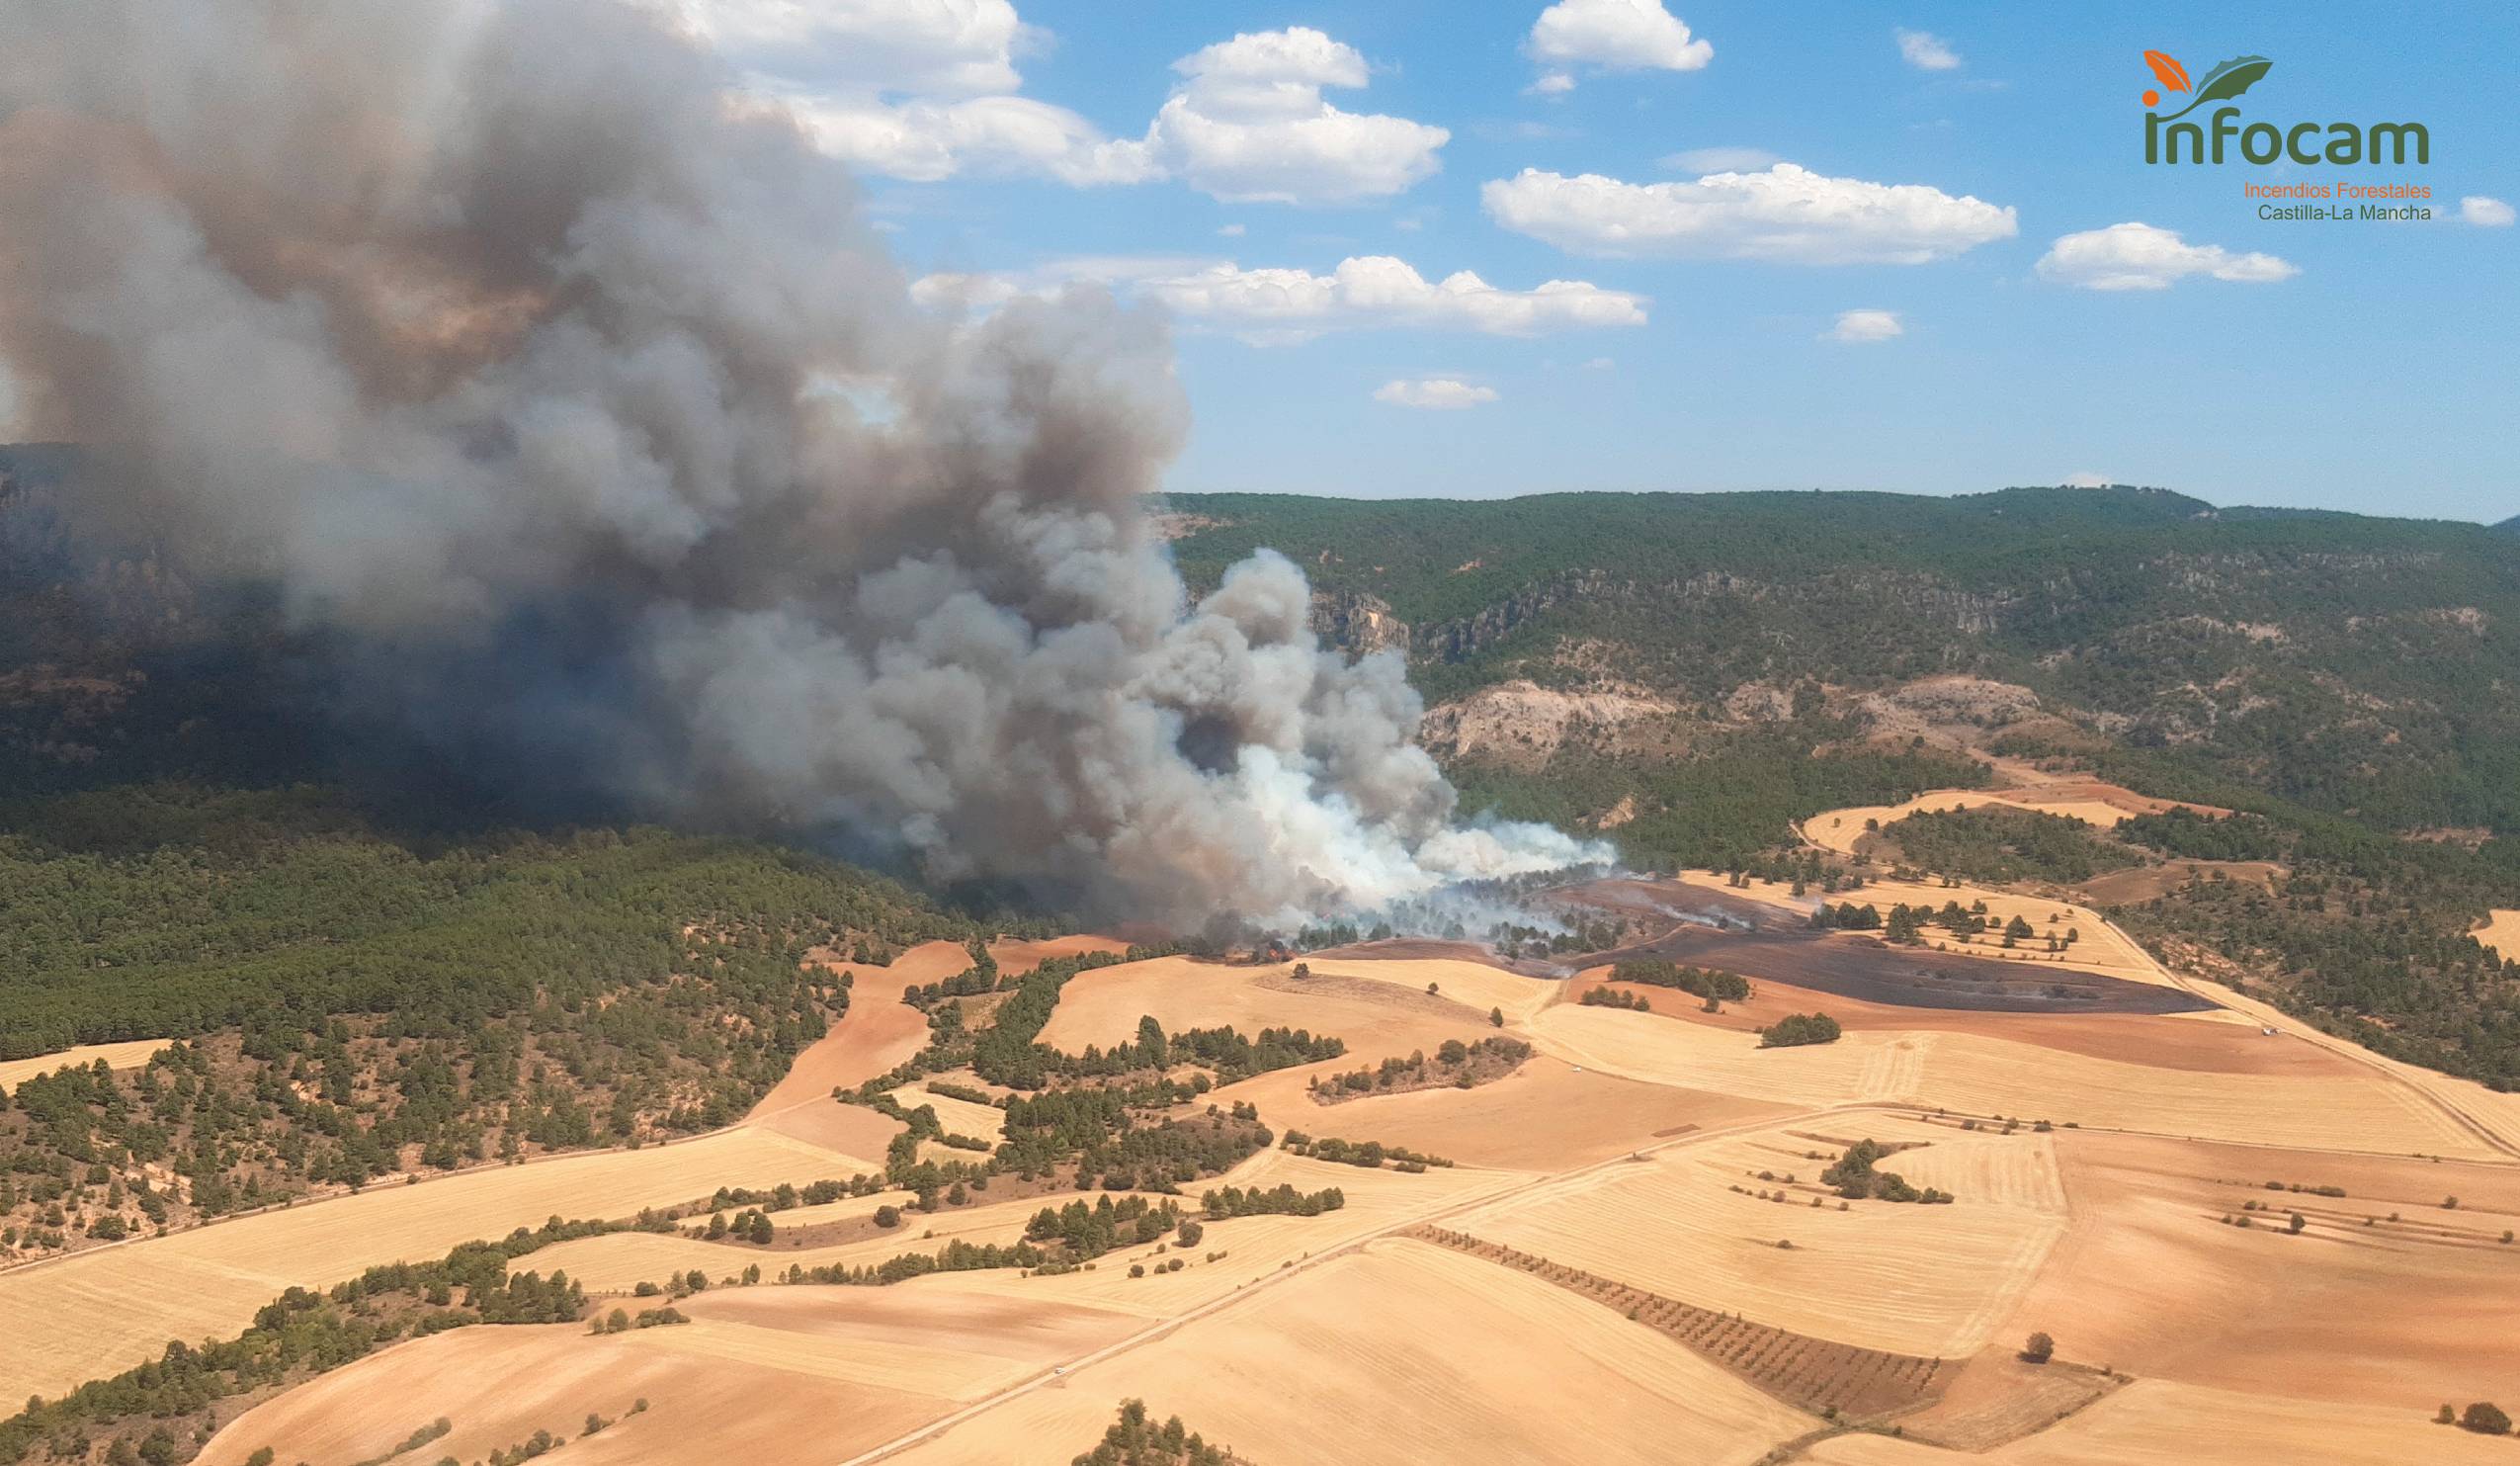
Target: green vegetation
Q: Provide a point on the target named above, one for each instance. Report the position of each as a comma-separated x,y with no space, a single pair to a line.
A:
1723,803
1135,1440
1856,1178
1456,1063
1796,1029
1084,1231
1698,981
2189,836
2339,661
350,1004
1369,1154
2367,937
1283,1201
2039,1349
167,911
1991,843
1612,997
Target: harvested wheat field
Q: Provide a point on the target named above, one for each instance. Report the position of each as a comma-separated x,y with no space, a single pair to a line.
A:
2406,1312
756,1370
2351,1107
2501,933
1374,1016
208,1281
1548,1115
1627,1151
129,1055
1692,1224
877,1033
2156,1423
2091,801
1476,984
498,1386
958,1116
1370,1357
2212,1040
1882,1065
1252,1248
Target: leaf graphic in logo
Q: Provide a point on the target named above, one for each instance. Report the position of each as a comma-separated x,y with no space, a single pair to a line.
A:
2166,66
2231,78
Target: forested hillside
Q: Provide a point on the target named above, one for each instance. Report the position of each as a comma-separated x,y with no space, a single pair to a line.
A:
2359,665
351,1001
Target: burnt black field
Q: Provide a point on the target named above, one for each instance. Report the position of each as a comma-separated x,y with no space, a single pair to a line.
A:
1738,934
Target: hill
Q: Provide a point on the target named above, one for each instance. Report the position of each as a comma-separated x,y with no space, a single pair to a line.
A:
2359,665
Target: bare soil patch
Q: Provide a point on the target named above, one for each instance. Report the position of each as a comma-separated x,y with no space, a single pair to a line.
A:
1545,1116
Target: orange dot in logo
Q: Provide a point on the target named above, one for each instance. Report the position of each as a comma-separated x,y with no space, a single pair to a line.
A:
2152,98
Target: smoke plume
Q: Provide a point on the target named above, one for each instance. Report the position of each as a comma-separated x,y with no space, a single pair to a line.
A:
578,402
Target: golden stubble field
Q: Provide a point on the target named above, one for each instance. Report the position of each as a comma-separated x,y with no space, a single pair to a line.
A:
206,1282
2501,933
131,1055
1703,1224
2340,1105
1615,1149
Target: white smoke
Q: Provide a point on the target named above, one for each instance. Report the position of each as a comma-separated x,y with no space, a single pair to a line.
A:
582,407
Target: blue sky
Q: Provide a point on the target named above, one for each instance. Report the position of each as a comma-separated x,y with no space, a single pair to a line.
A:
2359,365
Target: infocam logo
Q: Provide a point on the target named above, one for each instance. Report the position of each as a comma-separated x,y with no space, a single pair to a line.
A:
2166,139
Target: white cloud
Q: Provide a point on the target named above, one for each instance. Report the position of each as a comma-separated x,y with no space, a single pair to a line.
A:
1927,51
1280,306
1444,393
930,91
2086,479
2484,212
2140,257
1867,325
1613,35
1553,84
926,142
1697,162
1230,232
1785,213
1601,364
1249,122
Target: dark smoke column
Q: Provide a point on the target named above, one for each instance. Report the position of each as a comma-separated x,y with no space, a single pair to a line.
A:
576,398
